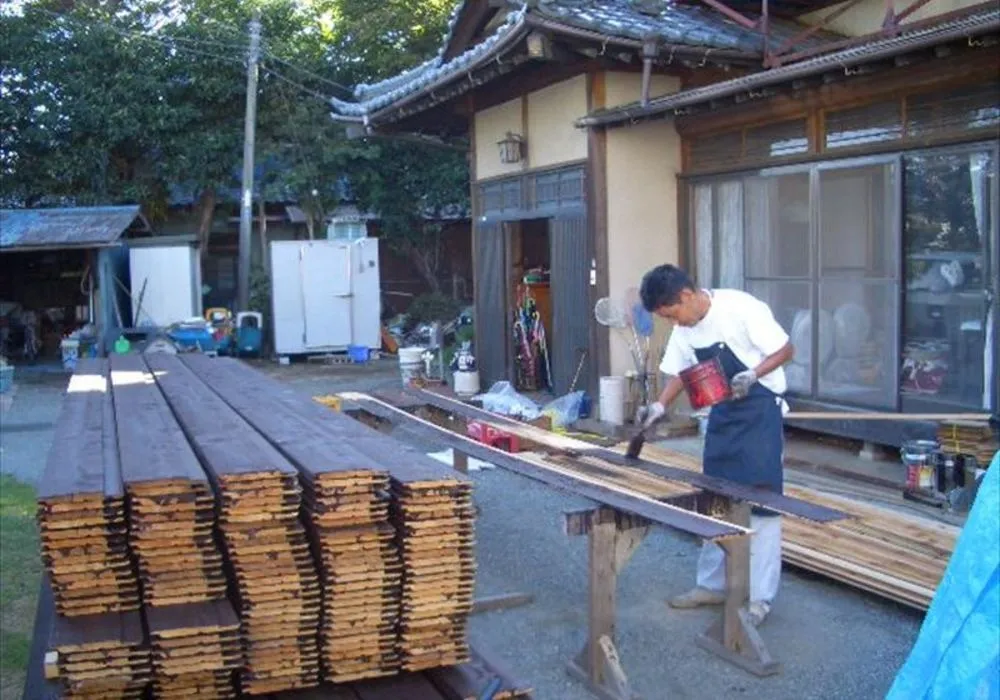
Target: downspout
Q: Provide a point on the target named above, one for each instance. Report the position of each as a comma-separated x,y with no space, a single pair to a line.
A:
649,51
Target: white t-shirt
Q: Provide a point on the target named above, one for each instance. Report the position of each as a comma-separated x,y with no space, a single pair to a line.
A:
741,321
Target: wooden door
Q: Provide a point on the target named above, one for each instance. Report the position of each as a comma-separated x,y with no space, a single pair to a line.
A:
492,340
571,310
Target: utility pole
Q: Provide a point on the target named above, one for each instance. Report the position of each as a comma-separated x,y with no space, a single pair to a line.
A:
246,197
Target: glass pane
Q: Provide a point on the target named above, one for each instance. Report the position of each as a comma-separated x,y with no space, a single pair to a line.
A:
702,219
789,302
948,219
729,224
858,234
857,340
777,225
863,125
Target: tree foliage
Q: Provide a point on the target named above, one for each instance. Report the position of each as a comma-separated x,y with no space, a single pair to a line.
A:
127,101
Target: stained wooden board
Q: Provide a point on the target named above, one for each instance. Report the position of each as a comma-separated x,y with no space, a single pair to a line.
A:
776,502
626,500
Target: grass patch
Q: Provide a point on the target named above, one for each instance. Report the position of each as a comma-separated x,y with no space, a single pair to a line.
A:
20,572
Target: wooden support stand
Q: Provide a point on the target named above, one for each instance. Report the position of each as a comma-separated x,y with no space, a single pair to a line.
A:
613,538
733,637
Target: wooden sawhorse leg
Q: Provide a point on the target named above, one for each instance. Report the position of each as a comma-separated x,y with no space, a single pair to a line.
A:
613,538
733,637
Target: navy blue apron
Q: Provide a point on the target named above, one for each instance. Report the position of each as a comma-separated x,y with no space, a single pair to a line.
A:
745,437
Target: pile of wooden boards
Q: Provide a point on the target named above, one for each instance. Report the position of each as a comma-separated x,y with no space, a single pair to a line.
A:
99,656
895,555
434,519
171,533
81,505
258,506
977,440
346,505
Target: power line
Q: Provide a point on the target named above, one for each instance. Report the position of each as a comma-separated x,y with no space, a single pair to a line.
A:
319,96
305,71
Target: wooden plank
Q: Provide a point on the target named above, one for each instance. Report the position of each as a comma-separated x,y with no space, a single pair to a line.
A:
621,499
767,499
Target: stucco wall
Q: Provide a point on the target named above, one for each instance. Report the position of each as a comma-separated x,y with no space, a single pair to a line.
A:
867,17
552,138
546,124
643,162
491,126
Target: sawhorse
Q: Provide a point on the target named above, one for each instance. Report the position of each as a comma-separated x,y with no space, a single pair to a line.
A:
613,537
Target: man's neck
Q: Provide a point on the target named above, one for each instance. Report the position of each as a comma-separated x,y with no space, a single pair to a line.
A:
705,302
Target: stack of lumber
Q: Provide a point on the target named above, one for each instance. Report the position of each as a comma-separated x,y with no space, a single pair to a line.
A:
99,656
81,504
258,503
195,648
434,518
977,440
171,532
345,504
895,555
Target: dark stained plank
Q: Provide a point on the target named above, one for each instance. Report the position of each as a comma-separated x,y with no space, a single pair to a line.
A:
76,461
151,444
71,632
467,681
36,687
208,615
761,497
691,523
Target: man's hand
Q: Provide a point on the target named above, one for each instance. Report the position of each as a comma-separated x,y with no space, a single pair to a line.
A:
647,415
742,382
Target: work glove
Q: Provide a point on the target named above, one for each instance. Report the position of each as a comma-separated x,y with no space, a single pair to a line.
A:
742,382
647,415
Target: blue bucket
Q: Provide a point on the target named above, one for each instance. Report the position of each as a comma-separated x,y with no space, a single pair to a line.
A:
358,353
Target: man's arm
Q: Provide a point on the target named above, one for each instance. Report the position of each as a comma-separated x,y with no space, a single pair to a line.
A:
671,391
775,360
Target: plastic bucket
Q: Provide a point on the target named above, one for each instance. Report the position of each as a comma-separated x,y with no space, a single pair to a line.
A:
919,458
612,400
467,383
358,353
706,384
410,364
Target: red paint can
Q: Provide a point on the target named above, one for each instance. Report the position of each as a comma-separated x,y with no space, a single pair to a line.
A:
706,384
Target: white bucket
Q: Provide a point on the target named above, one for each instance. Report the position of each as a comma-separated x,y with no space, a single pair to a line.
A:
411,364
612,400
467,383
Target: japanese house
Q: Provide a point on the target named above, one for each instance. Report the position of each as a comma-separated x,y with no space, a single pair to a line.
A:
838,160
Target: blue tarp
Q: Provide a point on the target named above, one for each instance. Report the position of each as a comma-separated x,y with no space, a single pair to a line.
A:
957,653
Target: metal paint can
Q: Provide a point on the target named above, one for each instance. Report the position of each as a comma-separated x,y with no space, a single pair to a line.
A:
919,459
706,384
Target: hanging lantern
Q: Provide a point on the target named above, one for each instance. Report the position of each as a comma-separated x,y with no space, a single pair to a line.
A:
511,148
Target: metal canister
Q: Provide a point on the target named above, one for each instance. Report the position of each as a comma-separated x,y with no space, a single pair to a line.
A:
918,458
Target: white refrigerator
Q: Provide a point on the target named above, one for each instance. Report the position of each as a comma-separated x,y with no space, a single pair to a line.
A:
325,295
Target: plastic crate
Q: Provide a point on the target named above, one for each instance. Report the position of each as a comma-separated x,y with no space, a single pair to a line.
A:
358,353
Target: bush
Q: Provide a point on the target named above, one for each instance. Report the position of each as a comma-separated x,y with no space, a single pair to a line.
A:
427,308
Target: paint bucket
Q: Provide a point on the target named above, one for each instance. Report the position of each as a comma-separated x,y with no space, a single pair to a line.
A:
467,383
706,384
410,364
612,400
920,461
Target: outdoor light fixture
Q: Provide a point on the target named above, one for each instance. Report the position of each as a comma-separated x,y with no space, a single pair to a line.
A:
539,45
511,148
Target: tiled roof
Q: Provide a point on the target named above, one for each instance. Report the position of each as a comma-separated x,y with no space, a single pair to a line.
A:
81,227
680,25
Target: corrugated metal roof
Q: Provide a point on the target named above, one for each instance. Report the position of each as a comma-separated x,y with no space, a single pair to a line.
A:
675,25
971,25
76,227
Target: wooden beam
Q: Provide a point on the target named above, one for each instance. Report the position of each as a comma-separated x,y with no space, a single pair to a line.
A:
569,480
597,219
504,601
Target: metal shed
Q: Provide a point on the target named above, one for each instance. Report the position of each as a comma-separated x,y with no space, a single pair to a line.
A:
65,258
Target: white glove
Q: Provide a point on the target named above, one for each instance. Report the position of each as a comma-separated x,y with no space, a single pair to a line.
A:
742,382
647,415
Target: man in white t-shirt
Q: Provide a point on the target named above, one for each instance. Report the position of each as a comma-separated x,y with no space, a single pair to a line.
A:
744,440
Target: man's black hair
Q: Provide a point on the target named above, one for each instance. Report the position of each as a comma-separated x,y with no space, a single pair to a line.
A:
662,286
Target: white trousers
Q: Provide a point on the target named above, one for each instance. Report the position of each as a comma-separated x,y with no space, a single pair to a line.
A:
765,561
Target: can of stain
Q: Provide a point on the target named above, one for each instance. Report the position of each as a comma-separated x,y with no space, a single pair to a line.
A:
919,459
706,384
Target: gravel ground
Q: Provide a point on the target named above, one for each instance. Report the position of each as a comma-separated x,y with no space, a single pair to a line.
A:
834,642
